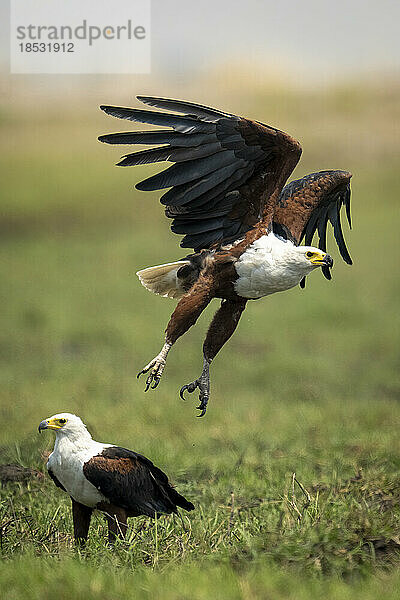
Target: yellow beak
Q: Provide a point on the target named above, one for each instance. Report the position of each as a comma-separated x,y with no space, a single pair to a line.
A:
321,260
48,424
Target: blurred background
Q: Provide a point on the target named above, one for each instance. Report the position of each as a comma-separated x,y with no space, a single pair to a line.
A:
77,325
309,384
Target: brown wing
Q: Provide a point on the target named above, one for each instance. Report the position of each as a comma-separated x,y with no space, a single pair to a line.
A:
131,481
227,174
306,205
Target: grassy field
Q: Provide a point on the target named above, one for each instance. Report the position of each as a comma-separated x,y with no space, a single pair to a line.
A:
308,385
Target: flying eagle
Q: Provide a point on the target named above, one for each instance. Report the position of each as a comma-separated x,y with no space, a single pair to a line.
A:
117,481
227,196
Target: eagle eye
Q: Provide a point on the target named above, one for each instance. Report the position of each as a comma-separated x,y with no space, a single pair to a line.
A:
62,421
309,254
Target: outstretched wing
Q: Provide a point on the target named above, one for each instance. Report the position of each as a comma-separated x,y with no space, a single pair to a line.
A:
130,480
228,170
306,205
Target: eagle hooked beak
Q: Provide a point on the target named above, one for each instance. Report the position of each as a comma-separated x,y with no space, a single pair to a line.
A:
43,425
322,260
49,424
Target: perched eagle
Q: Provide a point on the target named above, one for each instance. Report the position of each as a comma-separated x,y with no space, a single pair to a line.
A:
227,195
117,481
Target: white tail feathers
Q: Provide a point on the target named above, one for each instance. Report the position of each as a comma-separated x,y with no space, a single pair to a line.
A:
163,279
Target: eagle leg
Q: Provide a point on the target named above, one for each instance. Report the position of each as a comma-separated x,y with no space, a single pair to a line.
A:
186,313
156,368
203,383
117,523
81,516
221,328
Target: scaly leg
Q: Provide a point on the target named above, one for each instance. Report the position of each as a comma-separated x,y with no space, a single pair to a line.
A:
221,328
157,366
186,313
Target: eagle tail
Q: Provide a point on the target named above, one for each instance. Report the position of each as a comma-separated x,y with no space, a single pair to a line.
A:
163,279
180,500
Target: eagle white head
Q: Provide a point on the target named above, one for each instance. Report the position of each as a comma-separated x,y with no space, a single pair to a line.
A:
65,424
272,264
306,258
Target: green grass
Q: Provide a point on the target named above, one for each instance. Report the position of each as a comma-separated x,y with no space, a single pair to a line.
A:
309,385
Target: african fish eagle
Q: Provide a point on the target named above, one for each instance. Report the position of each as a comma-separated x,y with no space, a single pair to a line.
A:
227,195
117,481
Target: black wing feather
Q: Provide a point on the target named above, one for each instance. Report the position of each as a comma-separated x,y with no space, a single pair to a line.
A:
183,107
334,218
160,136
197,226
193,170
198,193
215,153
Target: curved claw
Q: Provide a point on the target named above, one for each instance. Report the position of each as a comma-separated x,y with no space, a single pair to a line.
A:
182,390
145,369
203,406
156,368
152,381
155,383
190,387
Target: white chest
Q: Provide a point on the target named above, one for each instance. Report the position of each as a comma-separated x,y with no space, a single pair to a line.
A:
265,268
66,462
